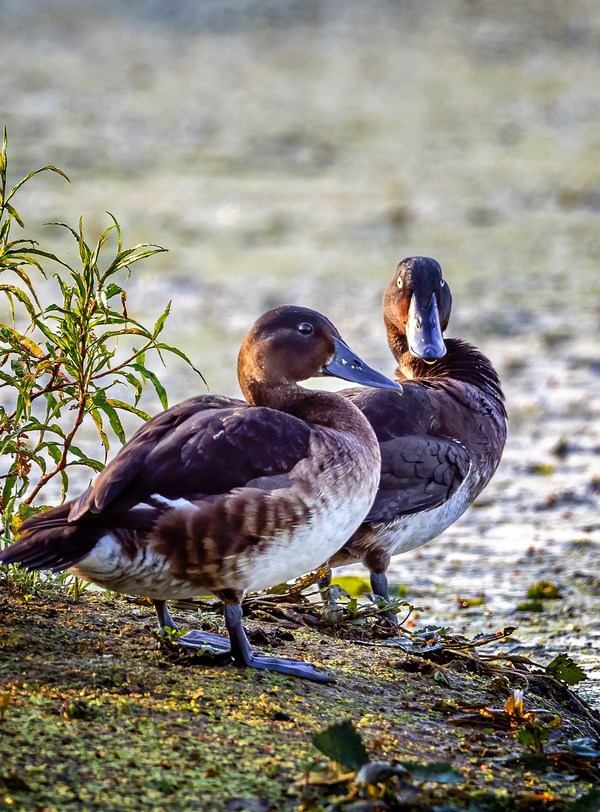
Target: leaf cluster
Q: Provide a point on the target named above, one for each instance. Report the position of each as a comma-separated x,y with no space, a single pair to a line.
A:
73,361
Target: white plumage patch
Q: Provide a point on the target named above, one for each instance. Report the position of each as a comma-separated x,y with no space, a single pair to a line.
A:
409,532
146,574
165,502
306,546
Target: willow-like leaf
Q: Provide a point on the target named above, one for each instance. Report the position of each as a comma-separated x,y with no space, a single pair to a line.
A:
160,321
13,213
22,297
104,404
24,277
97,418
48,168
24,342
127,407
84,249
64,225
158,387
117,231
83,459
130,256
182,355
88,462
48,255
55,338
113,290
100,243
135,384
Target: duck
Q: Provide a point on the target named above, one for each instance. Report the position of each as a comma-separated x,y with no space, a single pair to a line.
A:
441,440
227,496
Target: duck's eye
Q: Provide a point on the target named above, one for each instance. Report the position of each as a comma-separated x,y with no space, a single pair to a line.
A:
442,283
305,328
400,283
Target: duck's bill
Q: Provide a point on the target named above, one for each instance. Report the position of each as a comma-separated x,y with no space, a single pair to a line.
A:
424,331
346,365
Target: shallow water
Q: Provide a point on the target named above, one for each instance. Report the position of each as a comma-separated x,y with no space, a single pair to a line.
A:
294,152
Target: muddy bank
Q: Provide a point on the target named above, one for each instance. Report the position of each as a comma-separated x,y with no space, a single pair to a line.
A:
97,715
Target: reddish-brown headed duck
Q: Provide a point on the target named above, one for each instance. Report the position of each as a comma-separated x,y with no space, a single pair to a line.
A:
441,440
225,496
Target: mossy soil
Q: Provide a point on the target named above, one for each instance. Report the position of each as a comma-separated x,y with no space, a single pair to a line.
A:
98,714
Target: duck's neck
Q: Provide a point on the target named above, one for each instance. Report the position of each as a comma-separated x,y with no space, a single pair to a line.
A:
462,362
315,407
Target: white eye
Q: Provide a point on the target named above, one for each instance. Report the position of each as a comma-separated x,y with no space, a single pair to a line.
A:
400,283
305,328
442,283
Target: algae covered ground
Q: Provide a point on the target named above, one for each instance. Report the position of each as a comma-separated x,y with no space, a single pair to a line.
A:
97,714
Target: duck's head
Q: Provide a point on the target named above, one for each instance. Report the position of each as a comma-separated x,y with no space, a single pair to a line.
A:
416,308
290,344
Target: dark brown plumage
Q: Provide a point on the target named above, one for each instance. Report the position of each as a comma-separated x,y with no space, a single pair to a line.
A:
220,495
441,440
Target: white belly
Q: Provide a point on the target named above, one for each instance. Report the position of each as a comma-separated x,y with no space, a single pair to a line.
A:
291,555
409,532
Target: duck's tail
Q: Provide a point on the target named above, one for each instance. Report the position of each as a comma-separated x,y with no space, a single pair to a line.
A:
49,541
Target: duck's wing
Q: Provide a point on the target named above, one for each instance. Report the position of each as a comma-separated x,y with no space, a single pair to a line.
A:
420,467
132,458
417,473
192,451
197,451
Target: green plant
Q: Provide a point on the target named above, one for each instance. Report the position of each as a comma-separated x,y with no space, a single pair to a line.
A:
71,368
357,782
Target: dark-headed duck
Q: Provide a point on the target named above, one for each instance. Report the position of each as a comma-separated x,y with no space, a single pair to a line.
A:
441,440
225,496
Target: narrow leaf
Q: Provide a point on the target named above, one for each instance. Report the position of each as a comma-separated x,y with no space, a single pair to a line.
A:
100,400
160,321
127,407
158,387
182,355
48,168
97,418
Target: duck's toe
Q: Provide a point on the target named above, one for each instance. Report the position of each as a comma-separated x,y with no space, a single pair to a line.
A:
217,643
295,668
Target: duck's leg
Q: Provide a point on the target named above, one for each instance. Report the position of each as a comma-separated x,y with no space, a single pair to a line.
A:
379,585
243,655
164,616
324,585
193,639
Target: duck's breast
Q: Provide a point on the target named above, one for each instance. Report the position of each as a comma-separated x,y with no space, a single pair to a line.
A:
332,491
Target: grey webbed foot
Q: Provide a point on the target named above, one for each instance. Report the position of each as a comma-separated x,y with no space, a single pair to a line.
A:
243,655
192,639
205,640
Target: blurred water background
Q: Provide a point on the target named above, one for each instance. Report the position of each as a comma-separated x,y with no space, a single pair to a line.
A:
294,151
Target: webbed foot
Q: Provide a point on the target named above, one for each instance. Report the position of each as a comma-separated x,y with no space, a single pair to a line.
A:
242,653
217,643
205,640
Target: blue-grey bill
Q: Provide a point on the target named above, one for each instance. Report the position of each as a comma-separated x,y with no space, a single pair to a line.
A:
424,331
347,365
